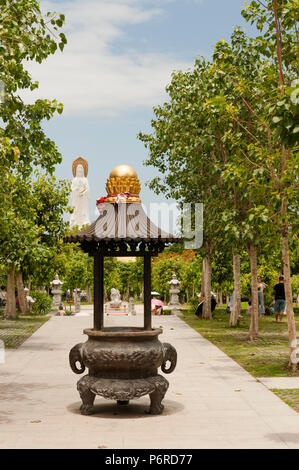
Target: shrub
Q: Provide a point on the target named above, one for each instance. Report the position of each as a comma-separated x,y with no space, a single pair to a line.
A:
42,304
166,311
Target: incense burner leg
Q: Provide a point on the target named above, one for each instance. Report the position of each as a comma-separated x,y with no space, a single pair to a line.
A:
87,397
156,397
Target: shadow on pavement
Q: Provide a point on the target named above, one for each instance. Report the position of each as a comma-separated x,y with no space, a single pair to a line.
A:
284,436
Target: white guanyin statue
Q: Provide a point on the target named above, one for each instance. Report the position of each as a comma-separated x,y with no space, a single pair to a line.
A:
80,194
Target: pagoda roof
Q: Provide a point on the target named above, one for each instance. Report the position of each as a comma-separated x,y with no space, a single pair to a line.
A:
120,224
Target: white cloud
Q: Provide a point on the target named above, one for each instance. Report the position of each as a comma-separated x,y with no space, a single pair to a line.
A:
88,77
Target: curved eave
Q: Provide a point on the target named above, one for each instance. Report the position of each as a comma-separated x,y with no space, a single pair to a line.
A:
78,238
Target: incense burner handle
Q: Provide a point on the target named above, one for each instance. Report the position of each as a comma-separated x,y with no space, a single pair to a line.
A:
169,354
76,356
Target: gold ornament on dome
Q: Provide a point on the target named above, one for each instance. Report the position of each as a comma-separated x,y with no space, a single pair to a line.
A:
80,161
123,180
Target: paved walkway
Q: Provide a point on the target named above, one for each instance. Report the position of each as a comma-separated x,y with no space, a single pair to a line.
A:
211,402
280,382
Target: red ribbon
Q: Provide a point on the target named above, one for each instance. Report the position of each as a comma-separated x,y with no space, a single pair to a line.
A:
100,203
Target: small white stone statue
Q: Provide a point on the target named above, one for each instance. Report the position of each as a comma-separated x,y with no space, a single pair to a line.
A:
77,300
132,310
29,299
56,291
174,290
80,196
115,298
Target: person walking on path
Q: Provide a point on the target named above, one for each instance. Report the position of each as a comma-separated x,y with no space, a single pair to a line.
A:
280,299
260,292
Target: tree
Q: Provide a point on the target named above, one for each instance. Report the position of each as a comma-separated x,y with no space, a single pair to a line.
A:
49,199
186,148
230,131
190,147
164,266
78,270
24,35
30,229
275,149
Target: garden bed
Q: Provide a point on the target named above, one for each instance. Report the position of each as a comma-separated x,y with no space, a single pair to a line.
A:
266,357
14,332
289,396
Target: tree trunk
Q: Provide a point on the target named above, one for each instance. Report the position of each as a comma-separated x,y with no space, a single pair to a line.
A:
236,309
202,286
21,293
220,298
289,302
253,330
88,294
128,290
206,311
10,307
29,282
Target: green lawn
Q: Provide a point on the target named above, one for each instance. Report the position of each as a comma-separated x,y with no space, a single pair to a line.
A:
289,396
15,332
265,357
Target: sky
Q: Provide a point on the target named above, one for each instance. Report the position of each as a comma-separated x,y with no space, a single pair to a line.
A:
114,69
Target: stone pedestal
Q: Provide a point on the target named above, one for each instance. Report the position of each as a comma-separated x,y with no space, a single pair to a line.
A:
132,310
77,300
174,290
56,291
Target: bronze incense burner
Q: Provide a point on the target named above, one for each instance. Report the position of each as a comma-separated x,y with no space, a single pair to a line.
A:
123,364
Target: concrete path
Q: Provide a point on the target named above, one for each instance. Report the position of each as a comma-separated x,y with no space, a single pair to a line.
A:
211,402
280,382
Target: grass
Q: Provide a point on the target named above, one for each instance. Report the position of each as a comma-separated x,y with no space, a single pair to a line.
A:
289,396
167,311
15,332
265,357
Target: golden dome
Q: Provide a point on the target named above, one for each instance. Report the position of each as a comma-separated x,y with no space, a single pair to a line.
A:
122,171
123,179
